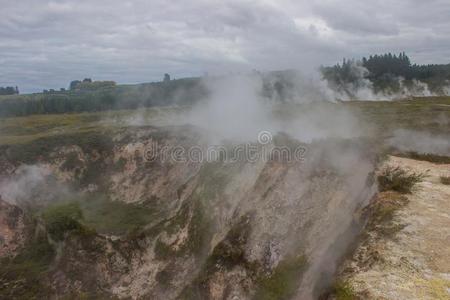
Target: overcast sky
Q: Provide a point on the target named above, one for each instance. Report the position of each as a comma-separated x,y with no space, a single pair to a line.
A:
46,44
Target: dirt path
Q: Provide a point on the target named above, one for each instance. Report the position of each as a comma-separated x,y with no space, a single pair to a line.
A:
415,262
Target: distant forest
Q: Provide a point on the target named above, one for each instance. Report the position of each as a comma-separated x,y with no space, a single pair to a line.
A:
88,95
9,90
384,72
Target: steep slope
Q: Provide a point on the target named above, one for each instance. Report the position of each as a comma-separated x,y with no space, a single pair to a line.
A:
408,259
191,229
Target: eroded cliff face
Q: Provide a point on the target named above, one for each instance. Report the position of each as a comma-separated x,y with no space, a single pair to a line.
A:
11,229
269,229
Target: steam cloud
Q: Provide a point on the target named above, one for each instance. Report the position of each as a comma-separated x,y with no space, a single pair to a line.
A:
31,184
236,110
422,142
361,88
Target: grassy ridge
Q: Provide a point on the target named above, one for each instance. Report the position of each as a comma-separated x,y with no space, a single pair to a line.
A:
24,130
426,113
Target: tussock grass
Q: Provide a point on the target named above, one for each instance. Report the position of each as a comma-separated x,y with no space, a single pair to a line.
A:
398,179
382,212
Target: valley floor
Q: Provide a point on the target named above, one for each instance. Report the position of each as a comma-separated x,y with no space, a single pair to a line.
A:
413,263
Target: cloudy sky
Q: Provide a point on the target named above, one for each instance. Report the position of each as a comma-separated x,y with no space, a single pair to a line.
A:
46,44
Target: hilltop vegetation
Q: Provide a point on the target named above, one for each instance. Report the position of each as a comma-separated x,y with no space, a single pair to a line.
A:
387,73
103,95
9,90
88,84
90,96
380,74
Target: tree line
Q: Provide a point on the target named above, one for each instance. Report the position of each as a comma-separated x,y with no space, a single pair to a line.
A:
384,71
87,96
9,90
88,84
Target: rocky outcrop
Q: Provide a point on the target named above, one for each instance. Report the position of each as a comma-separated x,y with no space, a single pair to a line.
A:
218,229
12,227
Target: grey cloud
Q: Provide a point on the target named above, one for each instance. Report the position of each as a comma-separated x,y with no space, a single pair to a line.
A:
45,44
357,18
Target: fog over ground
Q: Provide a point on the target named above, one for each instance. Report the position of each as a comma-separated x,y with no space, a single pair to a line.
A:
46,44
235,110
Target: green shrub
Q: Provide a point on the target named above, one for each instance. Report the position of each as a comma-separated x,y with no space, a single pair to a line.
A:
283,282
114,217
62,218
445,180
163,251
343,291
397,179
